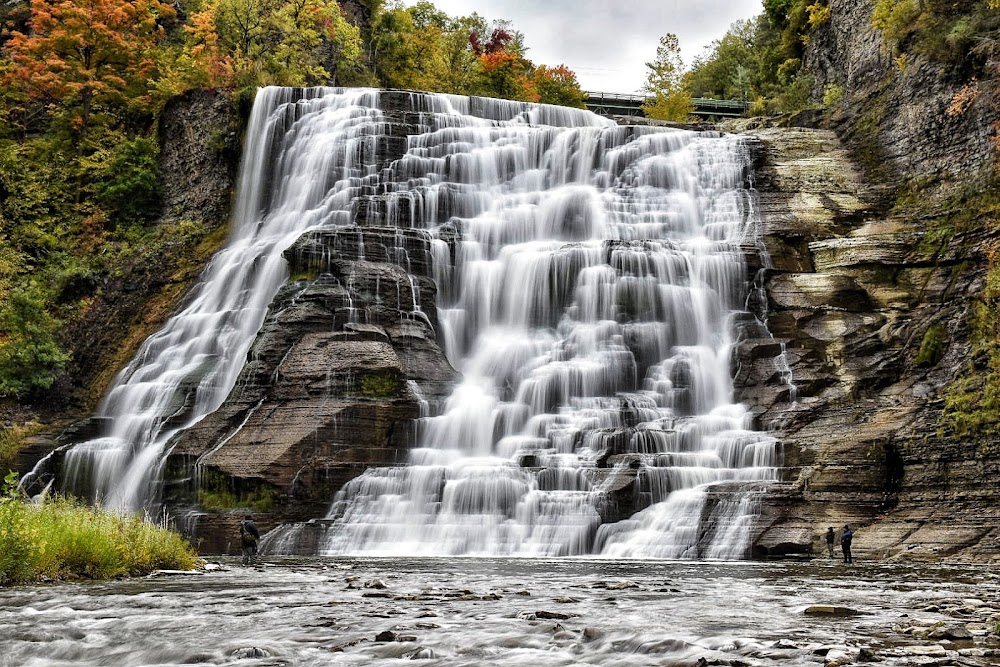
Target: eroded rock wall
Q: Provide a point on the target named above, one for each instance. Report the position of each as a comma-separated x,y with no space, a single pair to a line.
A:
854,292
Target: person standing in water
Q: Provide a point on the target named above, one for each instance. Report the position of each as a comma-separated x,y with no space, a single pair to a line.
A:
845,543
248,540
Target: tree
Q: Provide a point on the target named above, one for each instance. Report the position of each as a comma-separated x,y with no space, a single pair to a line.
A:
30,356
664,81
558,85
83,53
250,43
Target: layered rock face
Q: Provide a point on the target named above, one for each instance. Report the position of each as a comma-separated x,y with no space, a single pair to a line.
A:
853,294
324,397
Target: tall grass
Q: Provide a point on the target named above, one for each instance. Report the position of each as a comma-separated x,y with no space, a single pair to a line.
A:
63,539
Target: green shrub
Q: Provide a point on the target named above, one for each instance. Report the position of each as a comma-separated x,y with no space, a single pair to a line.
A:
833,95
130,188
972,401
896,19
261,499
12,440
380,386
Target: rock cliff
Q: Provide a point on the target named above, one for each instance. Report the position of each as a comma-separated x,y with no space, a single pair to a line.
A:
877,272
854,293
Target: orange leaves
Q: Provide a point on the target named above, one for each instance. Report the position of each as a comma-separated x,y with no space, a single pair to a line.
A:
497,60
79,51
963,99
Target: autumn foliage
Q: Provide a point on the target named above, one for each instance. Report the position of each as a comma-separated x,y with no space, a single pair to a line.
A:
82,83
79,53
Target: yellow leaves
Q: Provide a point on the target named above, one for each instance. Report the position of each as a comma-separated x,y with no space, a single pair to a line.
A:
819,13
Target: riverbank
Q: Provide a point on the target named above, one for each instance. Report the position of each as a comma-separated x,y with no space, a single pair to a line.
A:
62,540
514,612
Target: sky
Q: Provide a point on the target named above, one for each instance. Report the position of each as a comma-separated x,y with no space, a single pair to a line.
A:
608,42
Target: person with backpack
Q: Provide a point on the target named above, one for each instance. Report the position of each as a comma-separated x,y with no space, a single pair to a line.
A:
830,537
248,540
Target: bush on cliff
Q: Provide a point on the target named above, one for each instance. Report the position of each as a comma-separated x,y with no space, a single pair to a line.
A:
63,539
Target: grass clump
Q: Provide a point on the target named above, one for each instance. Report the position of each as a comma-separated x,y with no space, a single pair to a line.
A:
62,538
932,346
12,440
380,386
258,500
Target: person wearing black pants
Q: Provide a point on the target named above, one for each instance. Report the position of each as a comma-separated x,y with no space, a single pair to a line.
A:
845,544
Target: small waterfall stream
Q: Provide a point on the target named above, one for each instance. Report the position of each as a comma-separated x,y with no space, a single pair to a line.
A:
306,152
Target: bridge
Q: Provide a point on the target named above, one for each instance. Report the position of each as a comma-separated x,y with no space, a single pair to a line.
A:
620,104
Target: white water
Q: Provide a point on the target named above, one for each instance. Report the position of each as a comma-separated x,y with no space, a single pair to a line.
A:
306,156
589,308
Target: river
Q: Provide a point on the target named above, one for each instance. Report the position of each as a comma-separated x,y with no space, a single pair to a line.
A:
517,612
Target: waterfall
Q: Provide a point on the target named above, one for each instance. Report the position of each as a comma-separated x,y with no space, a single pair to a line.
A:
306,154
590,278
590,281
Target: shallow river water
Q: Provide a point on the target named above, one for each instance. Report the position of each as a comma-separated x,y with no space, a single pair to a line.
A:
505,612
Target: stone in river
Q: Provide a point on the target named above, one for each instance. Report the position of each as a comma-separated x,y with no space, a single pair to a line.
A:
830,610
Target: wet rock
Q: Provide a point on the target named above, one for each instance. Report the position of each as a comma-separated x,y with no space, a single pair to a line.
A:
932,650
837,658
830,610
616,585
555,615
951,632
590,634
867,655
422,653
566,600
250,652
390,636
526,616
375,583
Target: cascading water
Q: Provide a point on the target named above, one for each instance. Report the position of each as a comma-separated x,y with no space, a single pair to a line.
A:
590,278
307,153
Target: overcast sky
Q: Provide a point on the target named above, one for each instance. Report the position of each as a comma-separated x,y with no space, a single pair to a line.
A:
608,42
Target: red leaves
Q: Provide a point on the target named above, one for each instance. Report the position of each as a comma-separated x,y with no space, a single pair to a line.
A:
497,42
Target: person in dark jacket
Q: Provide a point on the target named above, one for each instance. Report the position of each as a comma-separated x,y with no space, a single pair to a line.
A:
831,537
248,540
845,543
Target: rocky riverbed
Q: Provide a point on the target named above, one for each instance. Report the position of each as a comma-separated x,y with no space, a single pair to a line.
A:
513,612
